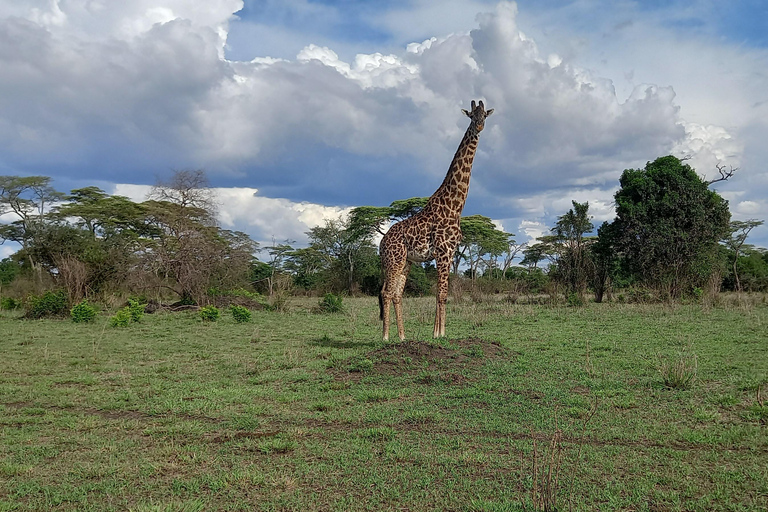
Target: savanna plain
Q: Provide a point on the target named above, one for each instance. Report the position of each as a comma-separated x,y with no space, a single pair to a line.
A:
523,407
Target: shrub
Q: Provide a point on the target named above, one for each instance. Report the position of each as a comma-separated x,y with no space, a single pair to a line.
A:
241,314
82,312
9,303
136,309
331,303
48,304
122,318
209,313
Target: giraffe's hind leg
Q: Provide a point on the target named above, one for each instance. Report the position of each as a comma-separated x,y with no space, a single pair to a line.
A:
394,265
398,300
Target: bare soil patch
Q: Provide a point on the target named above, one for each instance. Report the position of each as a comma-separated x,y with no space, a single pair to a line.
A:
448,362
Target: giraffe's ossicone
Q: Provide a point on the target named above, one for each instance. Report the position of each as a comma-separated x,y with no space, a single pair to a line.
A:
432,234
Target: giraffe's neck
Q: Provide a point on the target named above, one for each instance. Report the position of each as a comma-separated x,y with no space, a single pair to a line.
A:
452,194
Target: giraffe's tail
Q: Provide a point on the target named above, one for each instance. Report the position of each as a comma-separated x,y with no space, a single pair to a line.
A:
381,305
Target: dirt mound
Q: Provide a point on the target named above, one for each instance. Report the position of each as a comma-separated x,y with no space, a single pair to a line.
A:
448,361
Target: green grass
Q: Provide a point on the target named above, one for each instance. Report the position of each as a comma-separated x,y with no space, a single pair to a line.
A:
300,411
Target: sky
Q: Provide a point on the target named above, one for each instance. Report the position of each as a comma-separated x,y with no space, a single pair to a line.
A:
299,110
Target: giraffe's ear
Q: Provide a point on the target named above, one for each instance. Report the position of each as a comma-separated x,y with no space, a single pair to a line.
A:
488,112
466,112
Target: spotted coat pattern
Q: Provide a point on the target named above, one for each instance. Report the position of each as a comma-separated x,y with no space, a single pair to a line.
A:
432,234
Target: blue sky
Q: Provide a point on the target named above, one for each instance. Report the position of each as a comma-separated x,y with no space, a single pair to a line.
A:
299,110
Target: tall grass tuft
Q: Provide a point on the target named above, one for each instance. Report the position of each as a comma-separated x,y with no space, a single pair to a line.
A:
680,372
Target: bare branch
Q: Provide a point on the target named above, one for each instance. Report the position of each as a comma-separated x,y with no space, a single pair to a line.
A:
724,173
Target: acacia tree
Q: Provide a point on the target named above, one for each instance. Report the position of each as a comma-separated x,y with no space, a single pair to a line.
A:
573,263
28,198
114,232
187,246
510,253
344,252
669,224
278,254
535,253
365,222
480,238
187,188
190,253
739,231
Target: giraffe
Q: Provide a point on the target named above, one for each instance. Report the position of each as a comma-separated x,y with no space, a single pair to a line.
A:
432,234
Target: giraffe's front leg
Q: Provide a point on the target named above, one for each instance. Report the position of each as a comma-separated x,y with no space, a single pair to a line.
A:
443,269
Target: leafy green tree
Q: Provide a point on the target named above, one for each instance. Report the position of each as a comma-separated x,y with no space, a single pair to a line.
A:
670,225
574,267
306,265
9,271
753,270
604,256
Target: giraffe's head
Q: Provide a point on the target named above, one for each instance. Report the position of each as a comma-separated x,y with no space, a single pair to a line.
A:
478,115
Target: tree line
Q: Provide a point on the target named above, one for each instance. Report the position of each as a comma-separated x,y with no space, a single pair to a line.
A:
672,236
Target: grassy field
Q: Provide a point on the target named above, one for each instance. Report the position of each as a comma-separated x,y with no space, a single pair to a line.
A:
521,408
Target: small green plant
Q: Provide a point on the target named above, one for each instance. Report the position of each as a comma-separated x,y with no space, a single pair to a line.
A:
575,300
241,314
378,433
359,364
209,313
136,308
475,351
679,373
278,444
698,293
82,312
331,303
122,318
48,304
9,303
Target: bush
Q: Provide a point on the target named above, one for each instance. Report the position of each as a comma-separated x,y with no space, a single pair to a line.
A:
122,318
48,304
209,313
136,308
331,303
9,303
241,314
82,312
